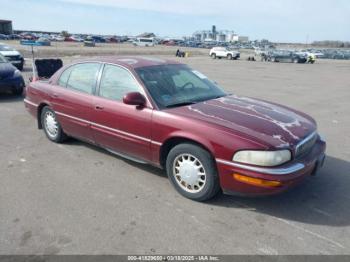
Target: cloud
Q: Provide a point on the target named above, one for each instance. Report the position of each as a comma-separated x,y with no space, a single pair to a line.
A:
230,8
191,7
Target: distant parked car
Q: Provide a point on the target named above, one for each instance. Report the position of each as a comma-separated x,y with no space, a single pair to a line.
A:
4,37
141,41
89,41
286,56
58,38
15,37
98,39
43,41
12,55
224,52
28,36
10,77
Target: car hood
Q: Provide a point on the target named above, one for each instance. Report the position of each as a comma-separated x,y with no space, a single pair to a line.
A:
6,70
264,122
10,53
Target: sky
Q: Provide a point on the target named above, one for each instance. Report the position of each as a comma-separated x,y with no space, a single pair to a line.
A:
276,20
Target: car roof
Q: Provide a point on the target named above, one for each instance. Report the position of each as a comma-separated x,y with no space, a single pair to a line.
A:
132,62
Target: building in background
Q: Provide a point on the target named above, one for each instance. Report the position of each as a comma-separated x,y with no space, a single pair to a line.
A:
6,27
218,36
239,38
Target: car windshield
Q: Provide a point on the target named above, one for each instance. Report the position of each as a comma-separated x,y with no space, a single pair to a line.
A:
6,48
177,85
2,59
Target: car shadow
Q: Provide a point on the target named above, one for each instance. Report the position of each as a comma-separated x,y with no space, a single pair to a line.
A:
145,167
321,200
9,97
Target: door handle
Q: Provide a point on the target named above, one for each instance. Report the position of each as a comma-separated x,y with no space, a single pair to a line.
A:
54,95
99,107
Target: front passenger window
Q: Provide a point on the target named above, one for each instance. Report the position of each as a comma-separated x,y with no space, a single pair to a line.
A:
117,82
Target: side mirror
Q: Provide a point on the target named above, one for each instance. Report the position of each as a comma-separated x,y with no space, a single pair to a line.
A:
135,99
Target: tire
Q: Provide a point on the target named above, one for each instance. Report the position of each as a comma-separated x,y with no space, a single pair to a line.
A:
273,59
295,61
197,161
17,91
51,126
229,57
213,55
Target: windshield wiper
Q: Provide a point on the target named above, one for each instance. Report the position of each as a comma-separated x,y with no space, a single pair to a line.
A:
181,104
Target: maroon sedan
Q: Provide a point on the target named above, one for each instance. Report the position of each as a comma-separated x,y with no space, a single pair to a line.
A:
171,116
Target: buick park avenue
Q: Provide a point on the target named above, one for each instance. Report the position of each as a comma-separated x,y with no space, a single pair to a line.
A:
166,114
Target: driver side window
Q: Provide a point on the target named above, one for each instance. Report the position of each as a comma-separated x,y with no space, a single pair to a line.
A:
117,82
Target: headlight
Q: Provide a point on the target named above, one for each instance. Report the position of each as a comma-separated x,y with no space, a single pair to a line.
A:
17,73
263,158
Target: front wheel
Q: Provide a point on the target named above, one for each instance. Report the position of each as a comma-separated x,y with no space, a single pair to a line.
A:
192,171
229,57
213,55
51,126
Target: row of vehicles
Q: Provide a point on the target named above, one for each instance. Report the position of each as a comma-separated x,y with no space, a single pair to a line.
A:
328,53
287,56
62,38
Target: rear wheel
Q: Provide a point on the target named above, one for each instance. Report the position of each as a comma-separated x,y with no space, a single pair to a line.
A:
51,126
192,171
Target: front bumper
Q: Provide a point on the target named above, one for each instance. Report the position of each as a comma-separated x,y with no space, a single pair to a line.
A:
288,175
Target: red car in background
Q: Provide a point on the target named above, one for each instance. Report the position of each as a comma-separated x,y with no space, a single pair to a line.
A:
164,113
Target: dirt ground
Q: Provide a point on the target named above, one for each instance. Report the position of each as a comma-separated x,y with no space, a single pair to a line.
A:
77,199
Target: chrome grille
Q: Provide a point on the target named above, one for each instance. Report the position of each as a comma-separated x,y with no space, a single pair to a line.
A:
306,144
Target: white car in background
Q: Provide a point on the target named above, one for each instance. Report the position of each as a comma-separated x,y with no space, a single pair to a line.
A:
143,41
12,55
224,52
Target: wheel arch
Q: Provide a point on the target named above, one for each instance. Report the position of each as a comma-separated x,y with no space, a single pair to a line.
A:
40,108
176,140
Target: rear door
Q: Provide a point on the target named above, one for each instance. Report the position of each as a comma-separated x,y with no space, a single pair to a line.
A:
122,128
72,99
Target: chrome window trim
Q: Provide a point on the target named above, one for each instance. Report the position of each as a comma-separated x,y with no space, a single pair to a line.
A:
111,129
265,170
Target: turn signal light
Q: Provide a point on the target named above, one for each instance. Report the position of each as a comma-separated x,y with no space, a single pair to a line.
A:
256,181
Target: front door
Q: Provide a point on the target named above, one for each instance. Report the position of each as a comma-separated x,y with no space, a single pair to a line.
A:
122,128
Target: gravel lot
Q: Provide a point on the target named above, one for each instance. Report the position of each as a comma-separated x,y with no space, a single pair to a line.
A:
75,198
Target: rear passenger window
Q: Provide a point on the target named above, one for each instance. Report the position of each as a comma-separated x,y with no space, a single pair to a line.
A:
83,77
62,81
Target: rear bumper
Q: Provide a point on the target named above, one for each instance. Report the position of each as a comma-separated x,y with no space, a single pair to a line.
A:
288,175
31,107
11,83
